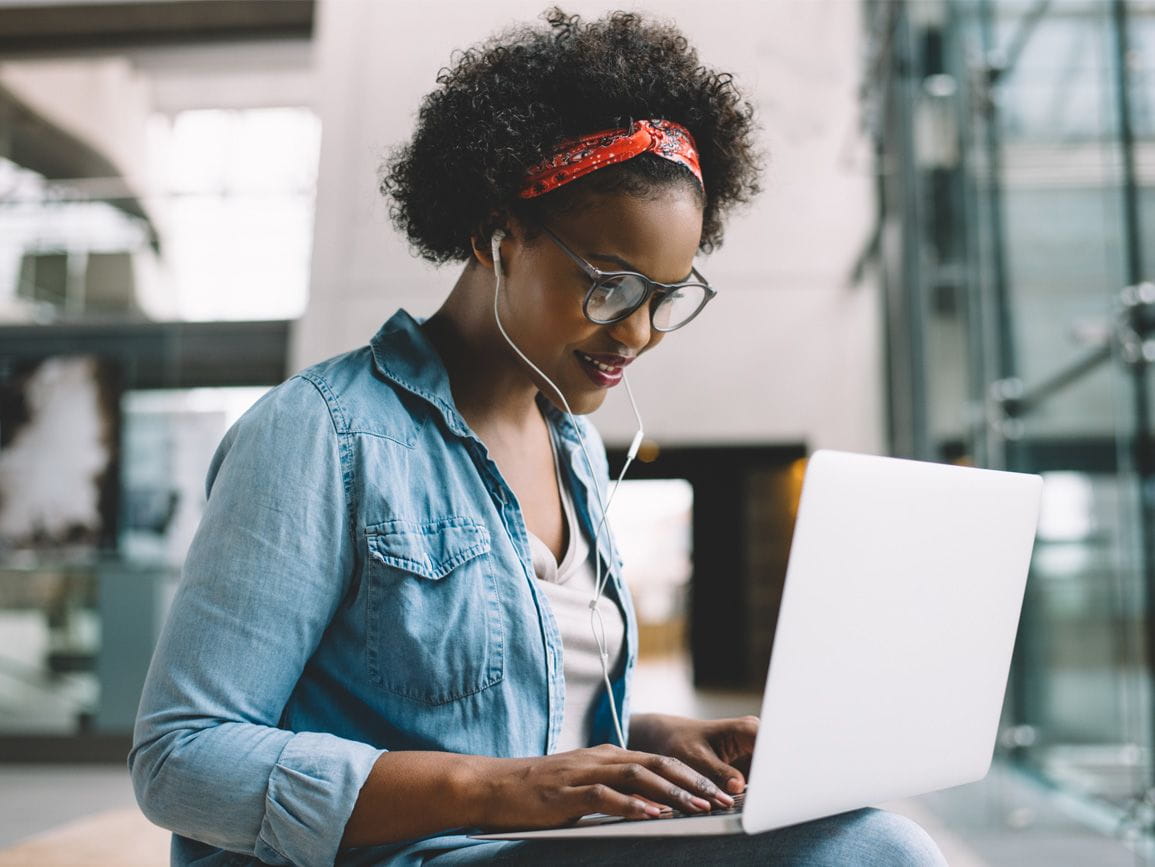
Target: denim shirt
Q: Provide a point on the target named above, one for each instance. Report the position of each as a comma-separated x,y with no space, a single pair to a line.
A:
361,581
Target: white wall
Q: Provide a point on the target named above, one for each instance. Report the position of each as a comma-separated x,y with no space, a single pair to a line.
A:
788,352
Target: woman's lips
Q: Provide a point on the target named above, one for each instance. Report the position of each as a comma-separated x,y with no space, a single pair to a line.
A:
605,370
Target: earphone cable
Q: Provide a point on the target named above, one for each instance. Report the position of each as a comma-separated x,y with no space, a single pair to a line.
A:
597,625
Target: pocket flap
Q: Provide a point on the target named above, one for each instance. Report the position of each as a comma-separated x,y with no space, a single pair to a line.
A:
431,549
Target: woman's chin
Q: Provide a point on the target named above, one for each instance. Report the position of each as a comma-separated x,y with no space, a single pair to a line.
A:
580,402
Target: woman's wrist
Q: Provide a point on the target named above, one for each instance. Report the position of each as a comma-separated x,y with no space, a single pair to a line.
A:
474,786
411,794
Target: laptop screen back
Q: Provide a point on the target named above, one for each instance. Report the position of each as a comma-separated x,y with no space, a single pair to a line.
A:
894,638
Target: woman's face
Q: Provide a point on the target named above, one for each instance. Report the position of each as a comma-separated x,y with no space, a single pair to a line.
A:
543,290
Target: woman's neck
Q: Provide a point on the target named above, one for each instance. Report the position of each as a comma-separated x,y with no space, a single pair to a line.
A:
490,388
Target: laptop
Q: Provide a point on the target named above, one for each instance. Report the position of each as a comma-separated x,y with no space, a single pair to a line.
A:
902,599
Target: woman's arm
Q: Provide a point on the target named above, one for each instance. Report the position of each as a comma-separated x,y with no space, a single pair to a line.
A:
268,568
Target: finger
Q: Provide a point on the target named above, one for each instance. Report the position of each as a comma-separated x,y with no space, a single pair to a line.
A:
733,741
725,776
662,808
736,784
691,783
697,779
636,778
742,766
600,798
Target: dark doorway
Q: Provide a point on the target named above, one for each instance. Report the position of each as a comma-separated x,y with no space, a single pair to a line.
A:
745,500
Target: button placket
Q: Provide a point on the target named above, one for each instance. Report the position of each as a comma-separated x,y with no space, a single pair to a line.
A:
514,524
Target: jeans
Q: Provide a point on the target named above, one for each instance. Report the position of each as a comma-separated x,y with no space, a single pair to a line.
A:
862,838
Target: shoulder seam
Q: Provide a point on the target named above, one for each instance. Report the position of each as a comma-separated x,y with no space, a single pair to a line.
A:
340,424
347,465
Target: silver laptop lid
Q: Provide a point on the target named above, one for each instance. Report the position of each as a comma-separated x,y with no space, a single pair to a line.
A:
894,638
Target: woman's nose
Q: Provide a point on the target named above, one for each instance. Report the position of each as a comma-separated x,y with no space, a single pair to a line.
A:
636,330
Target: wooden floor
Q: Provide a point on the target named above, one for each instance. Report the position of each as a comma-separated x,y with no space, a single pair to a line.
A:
114,837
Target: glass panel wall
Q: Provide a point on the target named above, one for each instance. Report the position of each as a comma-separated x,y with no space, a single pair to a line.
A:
1054,129
1015,142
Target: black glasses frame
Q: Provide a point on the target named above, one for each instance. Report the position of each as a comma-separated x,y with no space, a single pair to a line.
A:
654,289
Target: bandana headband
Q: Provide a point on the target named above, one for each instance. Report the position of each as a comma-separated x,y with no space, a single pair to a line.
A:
578,157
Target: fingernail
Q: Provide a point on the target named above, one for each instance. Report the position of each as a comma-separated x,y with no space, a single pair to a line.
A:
651,810
700,803
724,798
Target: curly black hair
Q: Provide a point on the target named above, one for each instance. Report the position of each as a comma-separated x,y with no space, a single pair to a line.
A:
506,104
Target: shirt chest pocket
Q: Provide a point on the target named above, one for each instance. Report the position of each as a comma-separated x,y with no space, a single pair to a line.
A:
434,631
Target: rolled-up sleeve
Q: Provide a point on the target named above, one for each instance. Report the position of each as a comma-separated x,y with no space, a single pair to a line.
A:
268,568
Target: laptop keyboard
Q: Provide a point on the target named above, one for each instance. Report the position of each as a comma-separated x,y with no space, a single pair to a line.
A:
669,813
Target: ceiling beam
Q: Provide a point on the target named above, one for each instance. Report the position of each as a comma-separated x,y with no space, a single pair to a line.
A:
35,28
162,354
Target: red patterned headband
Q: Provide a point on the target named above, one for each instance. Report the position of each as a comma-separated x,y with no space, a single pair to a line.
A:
578,157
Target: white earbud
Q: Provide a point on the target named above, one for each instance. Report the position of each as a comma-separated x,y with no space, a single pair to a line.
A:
495,248
604,504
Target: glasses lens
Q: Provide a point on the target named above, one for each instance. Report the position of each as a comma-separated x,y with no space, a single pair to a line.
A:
678,307
614,297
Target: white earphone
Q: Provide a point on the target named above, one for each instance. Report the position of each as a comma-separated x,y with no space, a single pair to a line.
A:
596,623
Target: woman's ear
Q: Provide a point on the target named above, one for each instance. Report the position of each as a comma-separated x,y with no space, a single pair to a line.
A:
482,251
483,246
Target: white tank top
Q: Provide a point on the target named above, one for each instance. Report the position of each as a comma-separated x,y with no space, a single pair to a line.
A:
569,587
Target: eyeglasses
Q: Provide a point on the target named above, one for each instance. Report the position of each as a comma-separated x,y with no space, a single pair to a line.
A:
615,295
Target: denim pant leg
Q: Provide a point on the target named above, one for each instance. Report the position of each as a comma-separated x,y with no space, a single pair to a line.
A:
862,838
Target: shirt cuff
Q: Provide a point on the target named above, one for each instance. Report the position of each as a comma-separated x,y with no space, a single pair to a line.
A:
312,791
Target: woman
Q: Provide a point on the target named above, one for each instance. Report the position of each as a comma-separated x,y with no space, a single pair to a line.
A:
383,636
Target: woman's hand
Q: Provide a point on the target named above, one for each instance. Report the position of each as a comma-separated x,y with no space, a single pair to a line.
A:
412,794
719,749
546,791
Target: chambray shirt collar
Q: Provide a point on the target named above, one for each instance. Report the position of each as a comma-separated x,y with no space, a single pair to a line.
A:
404,355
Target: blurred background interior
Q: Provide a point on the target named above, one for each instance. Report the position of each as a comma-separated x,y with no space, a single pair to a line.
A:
950,262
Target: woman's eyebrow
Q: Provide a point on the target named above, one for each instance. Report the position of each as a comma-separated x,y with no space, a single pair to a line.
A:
617,260
629,266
